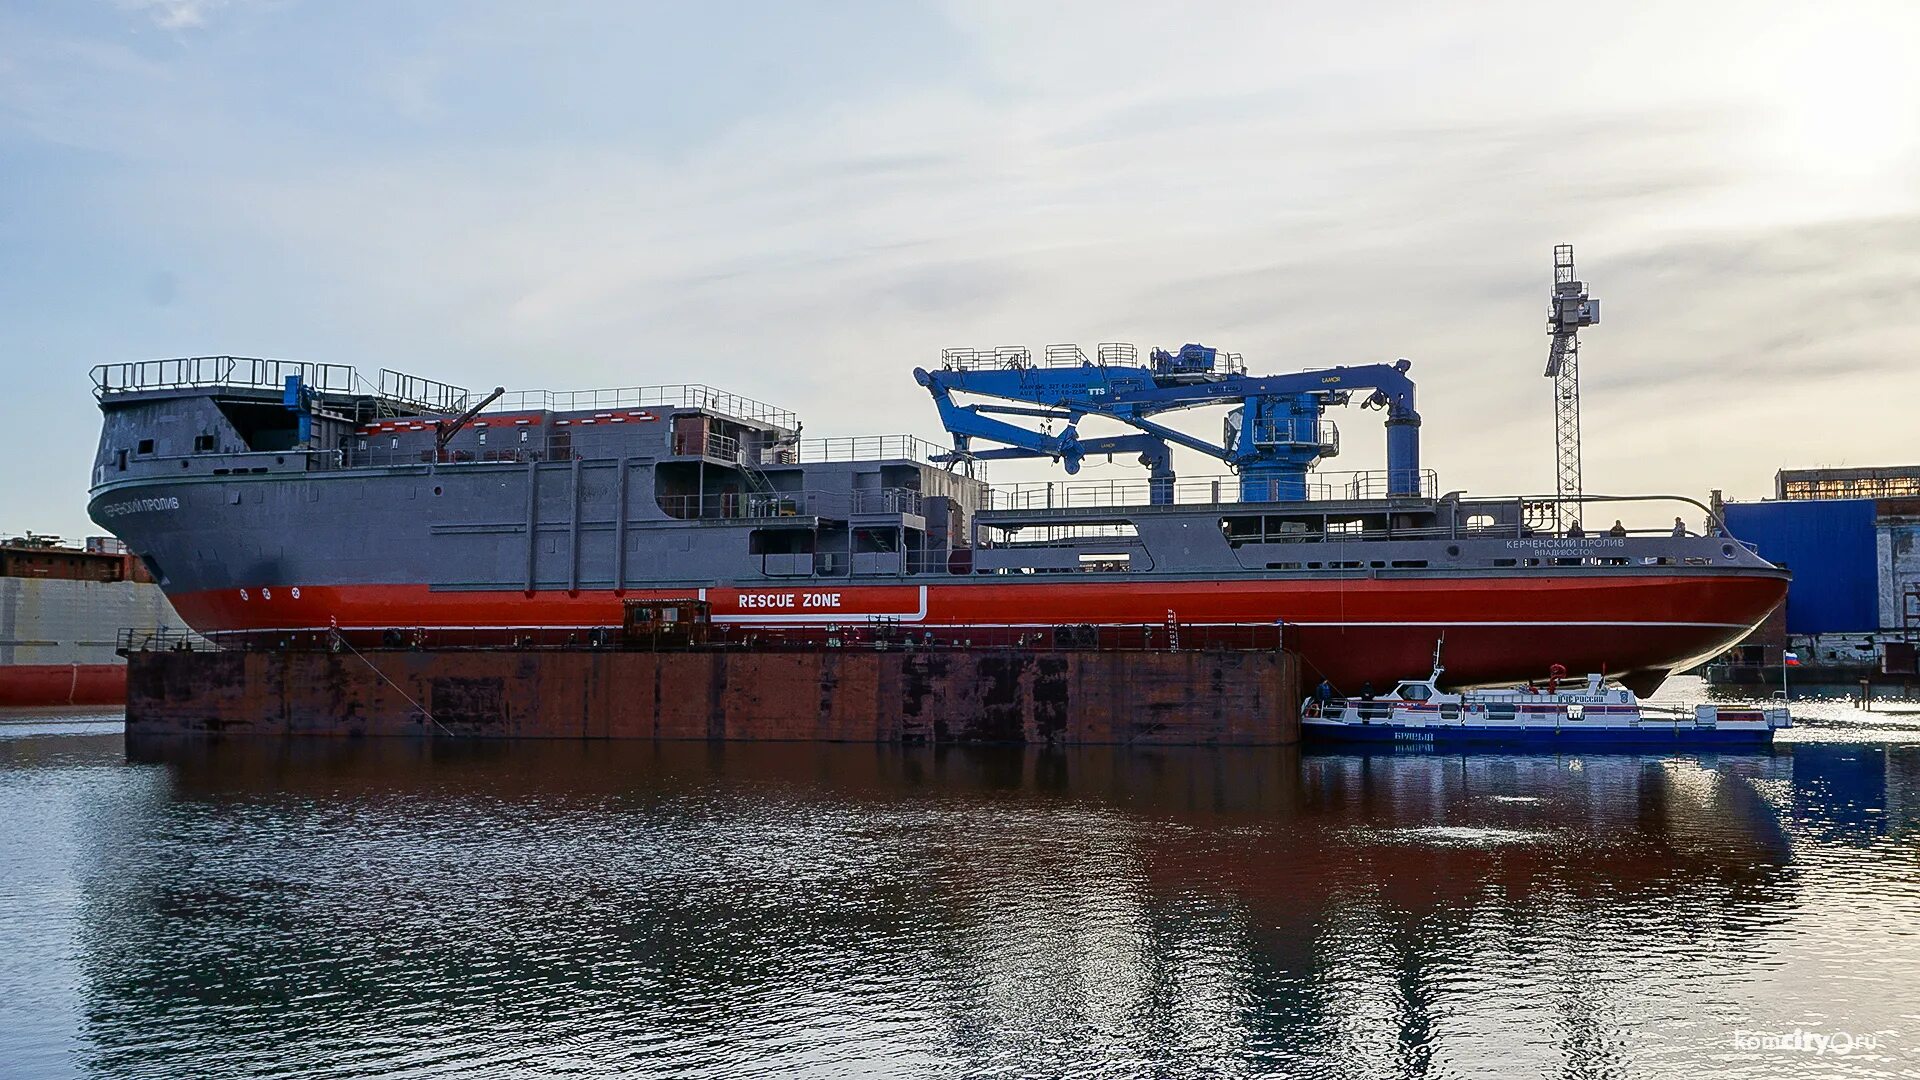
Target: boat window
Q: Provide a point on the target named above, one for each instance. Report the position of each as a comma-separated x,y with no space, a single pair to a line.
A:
1409,564
145,446
1415,691
1576,711
203,443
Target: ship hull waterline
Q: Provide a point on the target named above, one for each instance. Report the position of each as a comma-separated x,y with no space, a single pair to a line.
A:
1347,631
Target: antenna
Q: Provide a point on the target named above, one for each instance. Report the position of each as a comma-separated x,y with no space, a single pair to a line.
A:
1569,309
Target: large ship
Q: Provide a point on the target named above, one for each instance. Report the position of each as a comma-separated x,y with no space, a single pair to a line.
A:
275,496
61,608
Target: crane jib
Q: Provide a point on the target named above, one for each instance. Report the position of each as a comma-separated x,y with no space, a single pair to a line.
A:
1273,438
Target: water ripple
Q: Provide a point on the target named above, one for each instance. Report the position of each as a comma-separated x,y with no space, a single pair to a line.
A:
341,909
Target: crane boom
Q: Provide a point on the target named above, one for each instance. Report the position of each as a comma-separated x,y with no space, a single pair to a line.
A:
1273,437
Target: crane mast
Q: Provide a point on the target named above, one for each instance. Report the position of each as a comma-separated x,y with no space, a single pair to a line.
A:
1569,309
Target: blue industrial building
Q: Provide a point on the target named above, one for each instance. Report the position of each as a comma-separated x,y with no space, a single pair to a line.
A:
1829,544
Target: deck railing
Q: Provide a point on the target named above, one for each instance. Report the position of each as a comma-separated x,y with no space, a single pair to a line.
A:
676,396
872,633
1082,494
414,392
867,448
785,504
191,372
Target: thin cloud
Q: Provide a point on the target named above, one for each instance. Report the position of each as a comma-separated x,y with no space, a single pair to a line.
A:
176,14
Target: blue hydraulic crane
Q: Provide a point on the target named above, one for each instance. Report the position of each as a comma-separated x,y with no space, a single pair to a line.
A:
1272,438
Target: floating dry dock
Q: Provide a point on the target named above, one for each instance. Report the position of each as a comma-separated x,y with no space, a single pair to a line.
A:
1031,690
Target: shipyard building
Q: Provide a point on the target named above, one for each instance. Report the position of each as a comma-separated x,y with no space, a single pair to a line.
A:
1848,535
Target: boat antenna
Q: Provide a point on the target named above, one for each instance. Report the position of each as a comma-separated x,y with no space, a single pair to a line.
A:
1438,667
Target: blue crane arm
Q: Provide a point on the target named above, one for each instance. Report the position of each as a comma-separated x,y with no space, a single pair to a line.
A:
1276,459
1145,445
965,422
1389,382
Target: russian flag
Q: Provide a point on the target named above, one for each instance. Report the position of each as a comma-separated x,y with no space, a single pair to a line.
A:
1793,659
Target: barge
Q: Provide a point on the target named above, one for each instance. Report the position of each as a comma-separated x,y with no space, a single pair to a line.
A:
60,607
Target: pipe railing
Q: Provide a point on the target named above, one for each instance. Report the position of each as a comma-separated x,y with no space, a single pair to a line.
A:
781,504
1205,490
193,372
871,634
673,396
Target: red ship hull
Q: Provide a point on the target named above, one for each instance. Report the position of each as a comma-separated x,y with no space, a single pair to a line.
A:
1349,631
36,685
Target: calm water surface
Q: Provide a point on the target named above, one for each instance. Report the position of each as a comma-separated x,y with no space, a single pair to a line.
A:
324,908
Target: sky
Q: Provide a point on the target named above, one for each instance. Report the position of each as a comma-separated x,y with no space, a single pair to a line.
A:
804,202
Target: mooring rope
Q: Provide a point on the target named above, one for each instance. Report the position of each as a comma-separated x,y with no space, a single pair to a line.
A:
342,639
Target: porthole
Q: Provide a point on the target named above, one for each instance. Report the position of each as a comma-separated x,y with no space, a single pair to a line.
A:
1453,550
1727,550
436,489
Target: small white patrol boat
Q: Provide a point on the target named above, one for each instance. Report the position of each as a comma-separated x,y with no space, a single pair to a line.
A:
1589,713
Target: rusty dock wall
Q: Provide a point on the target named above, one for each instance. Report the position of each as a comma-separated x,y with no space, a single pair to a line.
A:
956,695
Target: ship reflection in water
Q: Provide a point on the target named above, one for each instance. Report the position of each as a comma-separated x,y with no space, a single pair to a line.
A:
339,908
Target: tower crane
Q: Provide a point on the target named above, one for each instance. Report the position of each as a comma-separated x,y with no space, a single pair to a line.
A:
1272,438
1569,309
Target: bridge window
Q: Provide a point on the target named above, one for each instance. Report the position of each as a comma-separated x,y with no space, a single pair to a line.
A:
203,443
145,446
